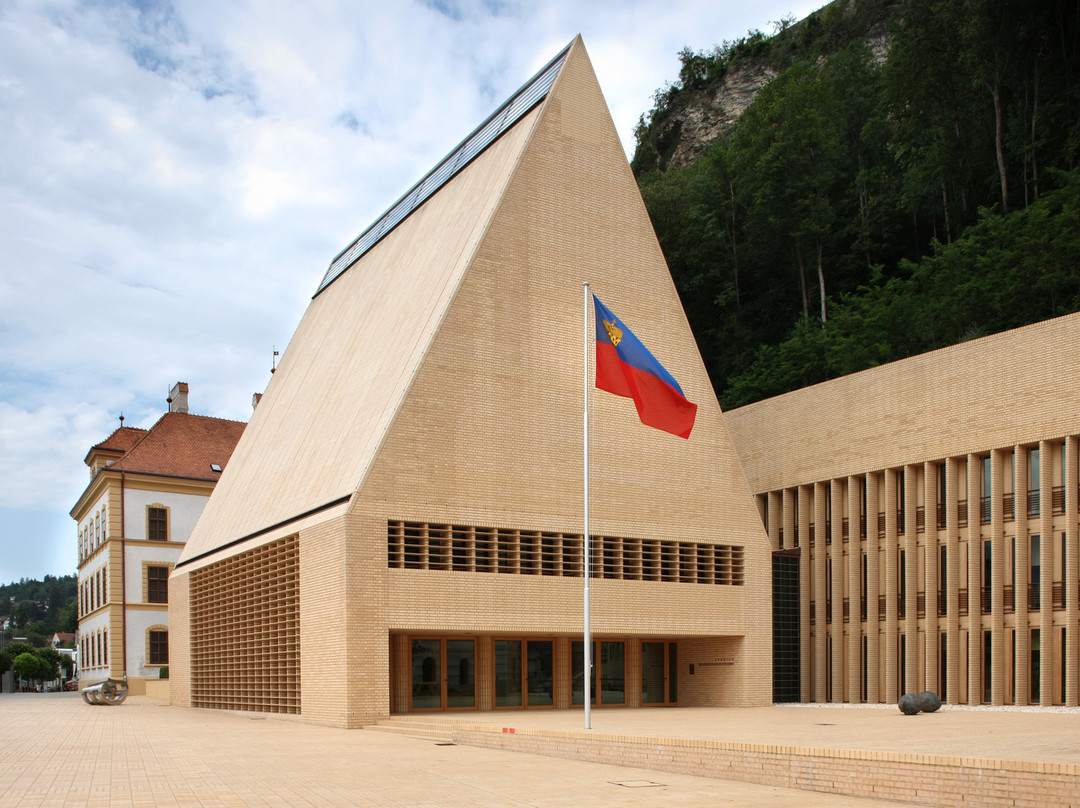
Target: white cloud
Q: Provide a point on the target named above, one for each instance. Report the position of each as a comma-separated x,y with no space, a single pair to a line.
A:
176,176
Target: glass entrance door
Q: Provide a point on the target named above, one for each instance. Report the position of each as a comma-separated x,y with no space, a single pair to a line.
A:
540,673
609,661
659,673
524,673
443,674
508,673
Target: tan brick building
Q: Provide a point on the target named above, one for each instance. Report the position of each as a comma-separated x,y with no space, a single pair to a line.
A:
932,504
400,527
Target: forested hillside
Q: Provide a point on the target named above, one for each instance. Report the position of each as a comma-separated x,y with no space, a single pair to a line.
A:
37,609
905,178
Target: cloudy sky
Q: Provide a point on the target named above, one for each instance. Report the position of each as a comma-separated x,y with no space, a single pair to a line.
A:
175,177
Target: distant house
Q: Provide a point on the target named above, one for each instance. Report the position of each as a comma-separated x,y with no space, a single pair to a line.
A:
147,489
62,639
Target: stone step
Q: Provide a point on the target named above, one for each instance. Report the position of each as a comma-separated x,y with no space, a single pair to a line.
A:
425,730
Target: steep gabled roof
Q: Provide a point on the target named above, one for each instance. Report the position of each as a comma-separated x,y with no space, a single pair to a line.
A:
183,445
440,372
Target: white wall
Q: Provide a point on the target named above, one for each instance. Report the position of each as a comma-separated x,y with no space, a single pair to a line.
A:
184,511
137,650
158,553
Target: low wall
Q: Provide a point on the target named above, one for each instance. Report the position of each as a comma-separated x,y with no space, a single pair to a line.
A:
913,779
158,689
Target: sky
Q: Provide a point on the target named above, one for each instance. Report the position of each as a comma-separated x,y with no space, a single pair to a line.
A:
176,176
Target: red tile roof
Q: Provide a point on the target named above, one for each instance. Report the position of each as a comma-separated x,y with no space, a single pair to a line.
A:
182,445
121,440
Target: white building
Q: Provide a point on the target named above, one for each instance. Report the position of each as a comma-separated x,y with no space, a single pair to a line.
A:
147,489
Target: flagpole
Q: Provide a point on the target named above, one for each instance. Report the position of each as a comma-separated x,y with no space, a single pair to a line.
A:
587,672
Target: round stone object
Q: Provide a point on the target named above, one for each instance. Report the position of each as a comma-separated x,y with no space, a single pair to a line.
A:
928,701
908,704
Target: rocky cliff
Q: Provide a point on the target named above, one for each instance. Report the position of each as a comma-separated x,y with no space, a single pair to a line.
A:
687,120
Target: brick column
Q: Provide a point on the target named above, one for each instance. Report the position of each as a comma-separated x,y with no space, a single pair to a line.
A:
873,592
952,581
1072,574
854,590
802,503
839,590
930,651
1046,577
773,509
1021,576
997,573
820,551
911,580
974,587
891,589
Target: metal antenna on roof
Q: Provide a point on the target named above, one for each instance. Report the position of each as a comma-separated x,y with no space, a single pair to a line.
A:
273,367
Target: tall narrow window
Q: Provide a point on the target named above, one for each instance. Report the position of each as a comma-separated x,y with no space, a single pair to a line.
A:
157,584
828,591
943,664
1064,589
862,507
984,503
158,652
1035,575
900,504
1034,669
157,521
943,576
941,491
863,595
1033,483
901,579
901,668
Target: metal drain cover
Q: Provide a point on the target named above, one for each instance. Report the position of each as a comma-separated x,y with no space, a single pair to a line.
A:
636,783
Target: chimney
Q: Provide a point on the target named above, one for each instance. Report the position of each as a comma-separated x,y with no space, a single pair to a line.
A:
178,398
255,399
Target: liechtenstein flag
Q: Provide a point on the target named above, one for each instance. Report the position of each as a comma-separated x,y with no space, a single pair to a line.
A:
625,367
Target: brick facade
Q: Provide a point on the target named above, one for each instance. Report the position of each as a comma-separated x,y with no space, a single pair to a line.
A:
945,487
436,387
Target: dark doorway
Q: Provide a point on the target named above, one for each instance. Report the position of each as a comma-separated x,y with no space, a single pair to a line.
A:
785,596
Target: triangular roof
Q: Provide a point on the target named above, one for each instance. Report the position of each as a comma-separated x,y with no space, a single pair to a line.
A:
441,371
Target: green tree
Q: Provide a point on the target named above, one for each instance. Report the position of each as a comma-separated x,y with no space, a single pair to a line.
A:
937,118
786,155
30,667
51,660
1004,272
12,650
67,618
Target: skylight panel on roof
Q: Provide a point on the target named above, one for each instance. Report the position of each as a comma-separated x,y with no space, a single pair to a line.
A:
514,109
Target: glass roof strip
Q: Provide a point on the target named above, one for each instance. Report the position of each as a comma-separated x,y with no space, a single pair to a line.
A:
516,107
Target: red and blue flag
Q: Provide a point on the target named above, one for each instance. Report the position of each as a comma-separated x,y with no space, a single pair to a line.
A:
625,367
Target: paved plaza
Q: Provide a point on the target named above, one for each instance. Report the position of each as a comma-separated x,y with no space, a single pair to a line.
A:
58,751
